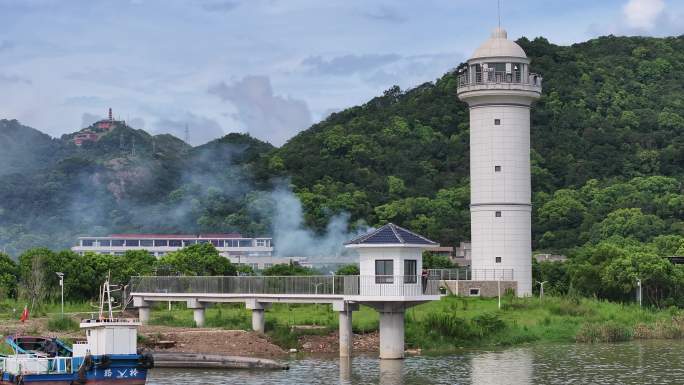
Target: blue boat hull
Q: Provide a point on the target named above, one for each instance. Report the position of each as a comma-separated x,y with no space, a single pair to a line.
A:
117,370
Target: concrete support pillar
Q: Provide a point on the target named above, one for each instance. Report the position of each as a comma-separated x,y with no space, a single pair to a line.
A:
258,314
198,316
144,315
346,334
392,334
198,311
259,320
345,310
143,309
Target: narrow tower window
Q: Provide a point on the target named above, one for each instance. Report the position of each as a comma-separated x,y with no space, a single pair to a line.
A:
498,260
497,122
497,214
497,168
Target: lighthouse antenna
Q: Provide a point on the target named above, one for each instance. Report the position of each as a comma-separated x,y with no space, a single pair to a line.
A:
498,11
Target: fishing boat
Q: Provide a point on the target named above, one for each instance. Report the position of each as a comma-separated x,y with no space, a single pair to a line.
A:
108,355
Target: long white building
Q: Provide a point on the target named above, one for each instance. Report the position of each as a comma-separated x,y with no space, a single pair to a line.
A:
255,252
499,89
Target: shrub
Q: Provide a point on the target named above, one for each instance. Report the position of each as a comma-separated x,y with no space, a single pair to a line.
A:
569,307
604,332
515,306
169,319
489,323
348,270
62,324
448,325
239,320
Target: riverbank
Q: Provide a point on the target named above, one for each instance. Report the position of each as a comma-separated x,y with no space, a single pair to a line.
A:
449,324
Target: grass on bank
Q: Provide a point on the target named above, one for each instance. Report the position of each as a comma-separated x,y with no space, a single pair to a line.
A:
451,323
457,322
57,323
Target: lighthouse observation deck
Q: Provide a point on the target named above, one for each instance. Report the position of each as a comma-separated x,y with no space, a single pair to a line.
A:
498,80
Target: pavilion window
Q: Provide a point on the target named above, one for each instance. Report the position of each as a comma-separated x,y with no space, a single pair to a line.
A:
175,243
117,242
105,242
161,243
146,243
245,243
132,242
410,271
384,271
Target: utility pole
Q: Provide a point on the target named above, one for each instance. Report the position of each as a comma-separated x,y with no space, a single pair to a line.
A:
639,291
133,146
187,134
498,283
61,284
541,290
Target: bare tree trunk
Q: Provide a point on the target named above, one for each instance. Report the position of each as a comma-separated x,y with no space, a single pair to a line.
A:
35,281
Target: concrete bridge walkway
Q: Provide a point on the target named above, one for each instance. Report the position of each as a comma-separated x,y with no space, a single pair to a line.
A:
389,295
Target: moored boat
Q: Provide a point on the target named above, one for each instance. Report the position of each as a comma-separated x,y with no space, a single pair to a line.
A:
109,355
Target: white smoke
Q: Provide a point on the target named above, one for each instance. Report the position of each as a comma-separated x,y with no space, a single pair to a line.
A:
293,238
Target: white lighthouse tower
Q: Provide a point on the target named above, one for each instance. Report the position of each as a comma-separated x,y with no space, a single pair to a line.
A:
499,90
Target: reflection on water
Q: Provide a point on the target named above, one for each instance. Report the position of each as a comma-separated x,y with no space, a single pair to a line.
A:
391,372
505,367
650,362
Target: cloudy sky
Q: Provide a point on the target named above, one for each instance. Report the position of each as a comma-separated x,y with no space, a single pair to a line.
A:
267,67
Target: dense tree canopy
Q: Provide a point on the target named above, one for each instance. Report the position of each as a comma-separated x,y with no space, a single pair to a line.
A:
9,275
199,259
607,173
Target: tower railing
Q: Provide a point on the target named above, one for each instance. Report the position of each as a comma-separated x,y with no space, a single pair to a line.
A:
498,77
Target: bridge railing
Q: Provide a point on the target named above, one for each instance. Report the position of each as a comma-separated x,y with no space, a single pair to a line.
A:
411,285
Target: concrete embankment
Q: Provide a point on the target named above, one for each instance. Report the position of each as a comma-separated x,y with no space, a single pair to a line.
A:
213,361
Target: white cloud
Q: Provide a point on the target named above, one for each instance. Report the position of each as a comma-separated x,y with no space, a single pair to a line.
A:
643,14
201,129
266,116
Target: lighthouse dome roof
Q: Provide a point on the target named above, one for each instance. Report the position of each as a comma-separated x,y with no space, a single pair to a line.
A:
498,45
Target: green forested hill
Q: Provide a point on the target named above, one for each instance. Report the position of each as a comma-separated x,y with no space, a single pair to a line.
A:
608,160
24,149
611,119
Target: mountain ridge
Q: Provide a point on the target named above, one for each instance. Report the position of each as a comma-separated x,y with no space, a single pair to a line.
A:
607,135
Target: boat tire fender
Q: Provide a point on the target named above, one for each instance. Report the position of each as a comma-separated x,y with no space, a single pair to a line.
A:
86,366
146,361
105,362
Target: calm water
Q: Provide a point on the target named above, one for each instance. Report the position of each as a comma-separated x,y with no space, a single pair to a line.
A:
650,362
